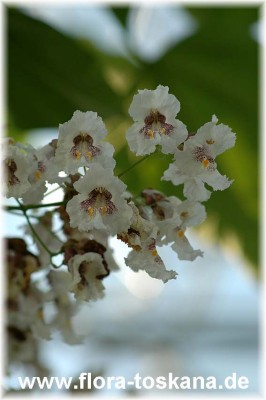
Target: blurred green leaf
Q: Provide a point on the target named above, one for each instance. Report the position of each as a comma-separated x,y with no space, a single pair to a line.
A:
121,14
51,75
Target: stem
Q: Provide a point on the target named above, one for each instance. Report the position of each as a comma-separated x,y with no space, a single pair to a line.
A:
52,191
29,206
21,215
134,165
53,233
35,234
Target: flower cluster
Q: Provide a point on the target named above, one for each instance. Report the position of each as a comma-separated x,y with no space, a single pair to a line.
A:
96,205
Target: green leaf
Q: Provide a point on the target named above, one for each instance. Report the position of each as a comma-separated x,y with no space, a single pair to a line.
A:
121,14
51,75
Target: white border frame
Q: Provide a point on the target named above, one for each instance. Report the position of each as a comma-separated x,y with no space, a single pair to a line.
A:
198,3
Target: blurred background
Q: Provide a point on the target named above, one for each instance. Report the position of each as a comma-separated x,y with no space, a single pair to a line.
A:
60,59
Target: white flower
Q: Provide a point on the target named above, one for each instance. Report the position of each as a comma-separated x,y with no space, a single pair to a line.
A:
183,248
48,163
102,238
61,282
140,232
29,315
35,194
154,113
173,216
141,237
166,217
217,138
80,143
195,164
17,167
100,204
37,179
87,271
149,260
191,213
44,169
